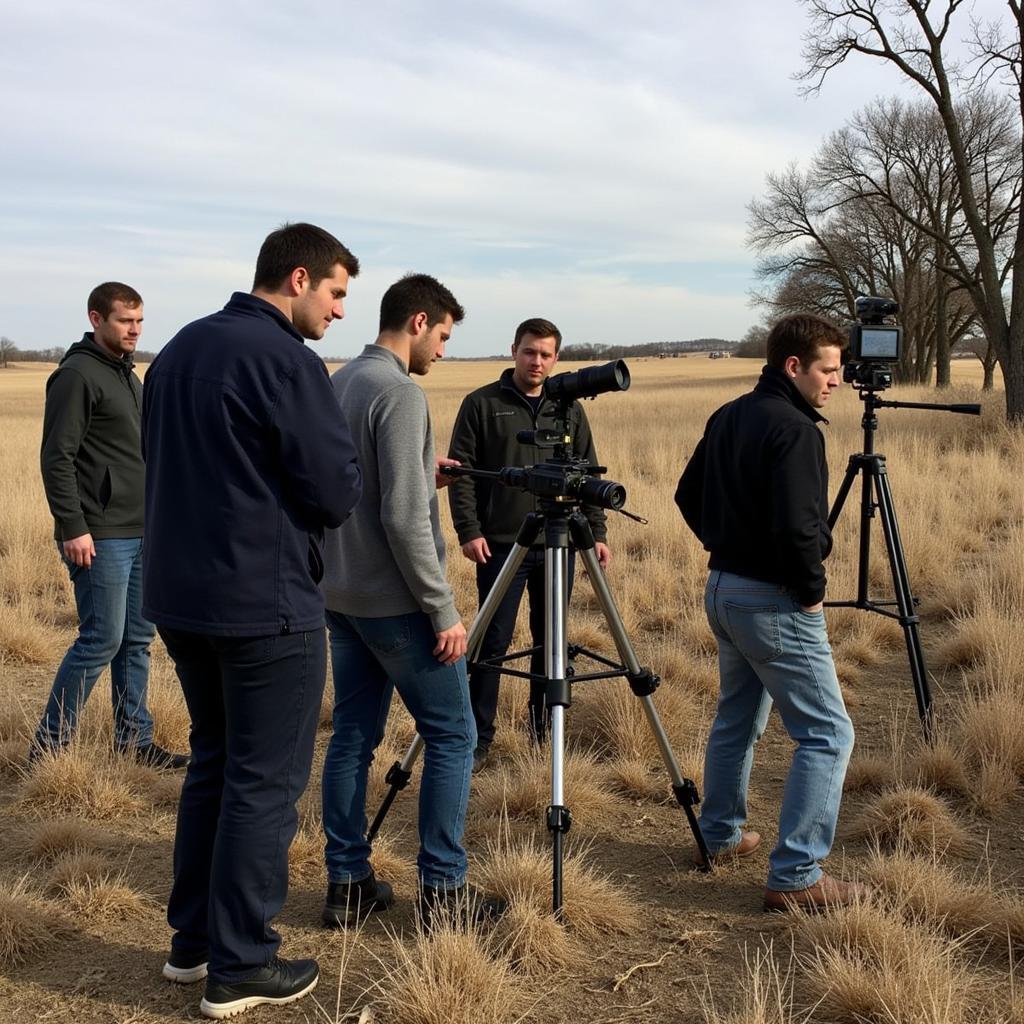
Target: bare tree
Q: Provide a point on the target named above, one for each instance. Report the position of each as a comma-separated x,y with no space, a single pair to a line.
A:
7,351
912,36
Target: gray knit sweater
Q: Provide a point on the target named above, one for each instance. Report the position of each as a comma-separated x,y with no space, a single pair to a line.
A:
388,556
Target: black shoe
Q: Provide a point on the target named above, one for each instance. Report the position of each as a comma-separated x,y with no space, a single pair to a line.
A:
157,757
185,968
463,907
281,981
348,902
479,759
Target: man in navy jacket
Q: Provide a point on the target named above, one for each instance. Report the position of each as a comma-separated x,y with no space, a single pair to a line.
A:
247,462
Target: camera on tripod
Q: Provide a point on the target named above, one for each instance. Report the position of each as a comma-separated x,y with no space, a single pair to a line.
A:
874,344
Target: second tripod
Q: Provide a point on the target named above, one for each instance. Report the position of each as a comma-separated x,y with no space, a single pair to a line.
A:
562,526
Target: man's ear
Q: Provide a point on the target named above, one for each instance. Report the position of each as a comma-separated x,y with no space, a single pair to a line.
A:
95,319
792,366
298,281
417,324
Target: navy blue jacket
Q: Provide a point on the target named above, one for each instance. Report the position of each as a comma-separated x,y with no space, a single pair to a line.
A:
756,489
248,458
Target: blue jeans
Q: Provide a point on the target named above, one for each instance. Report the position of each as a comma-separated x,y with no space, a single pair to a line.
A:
769,649
370,658
111,632
254,703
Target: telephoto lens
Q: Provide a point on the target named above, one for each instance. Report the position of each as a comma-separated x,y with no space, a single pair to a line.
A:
588,382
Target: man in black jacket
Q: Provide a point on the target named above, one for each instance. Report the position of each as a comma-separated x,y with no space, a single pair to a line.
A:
93,476
756,494
487,516
248,461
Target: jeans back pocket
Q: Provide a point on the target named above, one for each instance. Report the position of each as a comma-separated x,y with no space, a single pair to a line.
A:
755,631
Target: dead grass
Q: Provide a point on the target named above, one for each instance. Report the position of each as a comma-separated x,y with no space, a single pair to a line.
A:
869,773
534,943
449,977
76,869
866,963
765,993
47,841
911,818
80,781
107,898
28,927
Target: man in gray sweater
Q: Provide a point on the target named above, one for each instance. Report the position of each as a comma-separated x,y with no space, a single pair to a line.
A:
391,615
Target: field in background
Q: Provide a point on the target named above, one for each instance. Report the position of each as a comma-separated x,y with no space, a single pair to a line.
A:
87,837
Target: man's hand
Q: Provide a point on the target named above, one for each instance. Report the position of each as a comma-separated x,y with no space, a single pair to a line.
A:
80,550
813,608
442,479
603,552
477,550
451,644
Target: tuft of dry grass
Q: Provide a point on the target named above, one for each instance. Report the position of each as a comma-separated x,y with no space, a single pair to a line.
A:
449,976
942,898
80,781
47,841
28,926
941,767
868,964
76,869
107,898
593,904
171,721
534,943
765,993
869,773
913,818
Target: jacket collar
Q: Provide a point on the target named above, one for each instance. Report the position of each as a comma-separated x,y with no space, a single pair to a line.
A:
375,351
91,347
776,384
507,383
243,302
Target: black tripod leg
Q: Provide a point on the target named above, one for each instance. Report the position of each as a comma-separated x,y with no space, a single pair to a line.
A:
397,778
643,683
904,596
844,490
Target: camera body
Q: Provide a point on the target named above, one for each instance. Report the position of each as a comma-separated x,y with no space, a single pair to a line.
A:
874,344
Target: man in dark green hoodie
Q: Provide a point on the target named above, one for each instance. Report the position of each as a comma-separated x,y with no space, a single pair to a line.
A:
94,478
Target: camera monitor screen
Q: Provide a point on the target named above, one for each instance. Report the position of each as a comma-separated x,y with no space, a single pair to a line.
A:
880,343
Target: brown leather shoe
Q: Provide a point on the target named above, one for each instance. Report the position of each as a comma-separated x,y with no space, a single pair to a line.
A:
827,893
749,842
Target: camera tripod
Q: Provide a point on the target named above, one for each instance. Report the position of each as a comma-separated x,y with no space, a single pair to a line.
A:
876,495
562,525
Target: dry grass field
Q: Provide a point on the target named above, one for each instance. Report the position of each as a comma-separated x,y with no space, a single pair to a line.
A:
86,838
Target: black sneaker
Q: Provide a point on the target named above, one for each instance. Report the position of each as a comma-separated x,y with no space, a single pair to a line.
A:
479,759
157,757
185,968
462,907
348,902
281,981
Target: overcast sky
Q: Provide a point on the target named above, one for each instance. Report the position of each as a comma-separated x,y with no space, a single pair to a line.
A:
588,162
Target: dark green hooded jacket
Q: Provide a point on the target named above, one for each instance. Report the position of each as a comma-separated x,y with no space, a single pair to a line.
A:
91,454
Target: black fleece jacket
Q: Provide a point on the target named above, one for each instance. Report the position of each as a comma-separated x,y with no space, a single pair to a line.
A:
248,459
755,491
484,437
91,459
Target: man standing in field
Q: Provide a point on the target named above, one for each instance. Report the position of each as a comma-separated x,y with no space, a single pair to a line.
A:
94,476
487,515
391,615
248,463
756,494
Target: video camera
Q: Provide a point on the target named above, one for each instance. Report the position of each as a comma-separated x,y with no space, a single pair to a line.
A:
874,344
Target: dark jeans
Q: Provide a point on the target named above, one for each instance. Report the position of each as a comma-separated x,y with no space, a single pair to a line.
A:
254,704
111,631
483,682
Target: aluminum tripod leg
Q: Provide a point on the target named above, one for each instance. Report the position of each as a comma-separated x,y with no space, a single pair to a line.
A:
643,683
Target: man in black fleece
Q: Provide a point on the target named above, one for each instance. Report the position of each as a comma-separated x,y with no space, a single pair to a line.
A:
248,461
93,476
756,494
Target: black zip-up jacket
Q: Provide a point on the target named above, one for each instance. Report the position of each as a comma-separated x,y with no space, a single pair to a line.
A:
93,472
755,491
248,459
484,437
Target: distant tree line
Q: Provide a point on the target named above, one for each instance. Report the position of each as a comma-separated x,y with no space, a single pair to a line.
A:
587,352
10,353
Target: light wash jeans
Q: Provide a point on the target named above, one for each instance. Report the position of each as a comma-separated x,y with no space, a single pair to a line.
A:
370,658
769,649
112,632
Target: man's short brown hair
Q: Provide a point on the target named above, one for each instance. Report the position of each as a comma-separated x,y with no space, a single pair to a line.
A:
301,245
802,336
103,297
539,328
